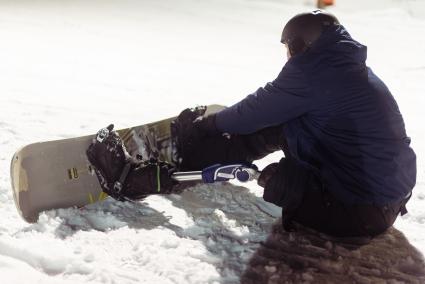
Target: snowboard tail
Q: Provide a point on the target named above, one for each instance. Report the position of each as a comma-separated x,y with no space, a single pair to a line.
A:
56,174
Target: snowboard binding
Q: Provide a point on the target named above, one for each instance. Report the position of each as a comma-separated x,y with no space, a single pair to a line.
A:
122,176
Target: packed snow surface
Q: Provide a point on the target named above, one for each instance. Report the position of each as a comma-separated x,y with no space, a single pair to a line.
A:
68,68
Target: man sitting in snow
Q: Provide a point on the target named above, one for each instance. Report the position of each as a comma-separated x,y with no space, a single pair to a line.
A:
348,170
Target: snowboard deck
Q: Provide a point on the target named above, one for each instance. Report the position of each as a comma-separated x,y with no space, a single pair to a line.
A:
56,174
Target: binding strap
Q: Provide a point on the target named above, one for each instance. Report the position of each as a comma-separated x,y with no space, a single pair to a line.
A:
158,178
119,183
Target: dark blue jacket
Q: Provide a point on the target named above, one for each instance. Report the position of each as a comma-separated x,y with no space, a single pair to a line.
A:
339,119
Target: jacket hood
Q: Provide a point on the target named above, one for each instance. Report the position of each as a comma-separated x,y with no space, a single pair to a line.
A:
338,48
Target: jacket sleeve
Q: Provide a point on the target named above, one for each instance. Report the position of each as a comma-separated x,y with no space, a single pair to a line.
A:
287,97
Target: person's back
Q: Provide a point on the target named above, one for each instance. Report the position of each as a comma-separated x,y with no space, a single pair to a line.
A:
354,134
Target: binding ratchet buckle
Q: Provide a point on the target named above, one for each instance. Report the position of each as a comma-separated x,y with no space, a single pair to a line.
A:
103,133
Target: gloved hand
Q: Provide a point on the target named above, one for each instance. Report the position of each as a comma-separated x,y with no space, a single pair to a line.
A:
205,125
123,177
190,130
284,185
267,173
191,124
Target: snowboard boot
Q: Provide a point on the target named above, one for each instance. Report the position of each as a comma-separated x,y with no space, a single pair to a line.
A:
122,176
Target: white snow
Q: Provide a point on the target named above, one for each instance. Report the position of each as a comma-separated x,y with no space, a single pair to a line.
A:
68,68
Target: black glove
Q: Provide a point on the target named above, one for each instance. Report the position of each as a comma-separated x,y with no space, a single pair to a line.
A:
267,173
190,130
205,126
284,185
192,125
123,177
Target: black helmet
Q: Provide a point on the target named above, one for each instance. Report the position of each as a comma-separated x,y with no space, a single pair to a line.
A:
305,28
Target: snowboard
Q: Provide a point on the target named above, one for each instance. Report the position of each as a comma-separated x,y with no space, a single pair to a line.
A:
56,174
